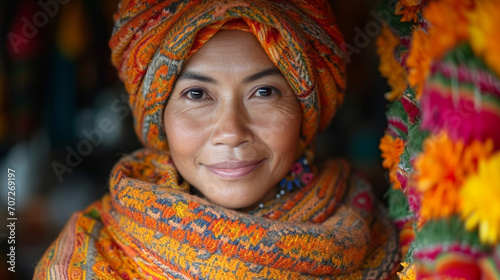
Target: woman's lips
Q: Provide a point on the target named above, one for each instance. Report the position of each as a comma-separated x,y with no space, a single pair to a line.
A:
234,169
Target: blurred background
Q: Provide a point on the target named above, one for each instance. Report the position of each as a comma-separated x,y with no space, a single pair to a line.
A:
57,88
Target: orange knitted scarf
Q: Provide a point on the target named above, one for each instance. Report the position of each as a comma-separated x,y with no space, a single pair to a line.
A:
150,227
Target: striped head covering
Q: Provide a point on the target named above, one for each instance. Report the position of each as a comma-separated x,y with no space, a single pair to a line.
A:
152,39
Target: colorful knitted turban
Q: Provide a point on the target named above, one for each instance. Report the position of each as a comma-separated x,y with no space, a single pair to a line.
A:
152,39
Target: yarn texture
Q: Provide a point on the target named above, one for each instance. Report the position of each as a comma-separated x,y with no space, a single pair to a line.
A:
150,227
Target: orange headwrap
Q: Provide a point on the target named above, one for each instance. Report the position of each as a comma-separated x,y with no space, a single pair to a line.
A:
152,39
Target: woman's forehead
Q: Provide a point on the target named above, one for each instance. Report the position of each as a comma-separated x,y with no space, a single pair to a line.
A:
229,51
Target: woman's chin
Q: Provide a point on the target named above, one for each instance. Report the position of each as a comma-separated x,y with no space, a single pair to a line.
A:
240,198
233,201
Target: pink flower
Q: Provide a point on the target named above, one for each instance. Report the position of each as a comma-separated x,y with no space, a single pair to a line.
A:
307,178
297,168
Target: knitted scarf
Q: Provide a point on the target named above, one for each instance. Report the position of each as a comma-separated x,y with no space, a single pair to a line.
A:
150,227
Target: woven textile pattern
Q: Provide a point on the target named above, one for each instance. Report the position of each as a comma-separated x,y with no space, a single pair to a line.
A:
152,39
150,228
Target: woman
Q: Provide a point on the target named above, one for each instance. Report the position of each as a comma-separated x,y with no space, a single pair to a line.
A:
227,98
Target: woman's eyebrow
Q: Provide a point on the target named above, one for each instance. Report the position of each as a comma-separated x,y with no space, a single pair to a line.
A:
188,75
266,72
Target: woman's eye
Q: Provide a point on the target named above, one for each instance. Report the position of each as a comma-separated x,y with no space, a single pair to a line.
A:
266,91
195,94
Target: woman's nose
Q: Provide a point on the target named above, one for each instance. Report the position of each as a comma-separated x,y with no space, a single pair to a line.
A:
232,126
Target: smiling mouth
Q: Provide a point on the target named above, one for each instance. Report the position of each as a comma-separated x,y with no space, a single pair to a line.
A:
233,169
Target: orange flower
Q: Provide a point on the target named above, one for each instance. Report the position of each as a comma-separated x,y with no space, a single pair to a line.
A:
411,3
409,9
448,26
483,29
476,151
389,68
419,60
440,202
439,162
393,178
391,148
441,170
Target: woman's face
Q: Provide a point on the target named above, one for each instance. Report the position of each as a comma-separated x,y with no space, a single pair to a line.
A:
232,121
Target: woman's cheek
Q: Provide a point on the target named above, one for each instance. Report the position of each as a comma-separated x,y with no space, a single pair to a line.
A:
280,123
184,126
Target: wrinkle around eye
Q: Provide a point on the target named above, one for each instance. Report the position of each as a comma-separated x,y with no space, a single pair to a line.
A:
290,108
286,108
174,111
182,107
